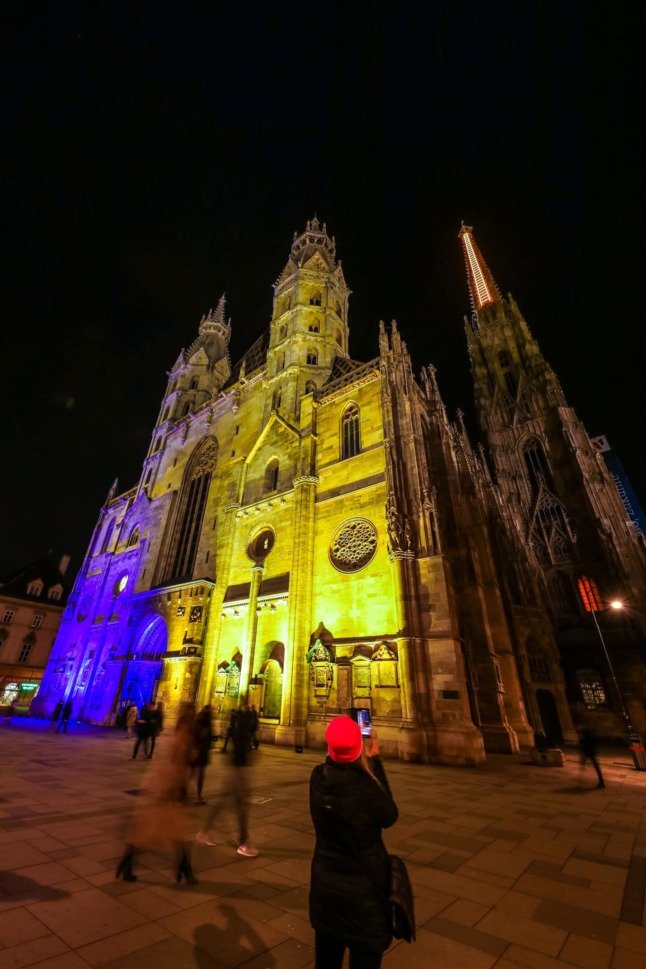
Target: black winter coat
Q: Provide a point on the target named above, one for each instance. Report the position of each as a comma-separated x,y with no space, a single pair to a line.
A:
350,878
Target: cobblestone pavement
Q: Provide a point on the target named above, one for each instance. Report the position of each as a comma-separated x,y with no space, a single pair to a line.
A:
512,865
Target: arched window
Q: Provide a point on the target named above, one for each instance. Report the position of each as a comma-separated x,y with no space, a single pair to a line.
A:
539,667
538,469
186,409
589,594
508,375
280,362
310,387
190,515
314,327
312,358
107,535
337,336
195,383
271,476
350,432
133,537
592,689
282,333
315,299
277,399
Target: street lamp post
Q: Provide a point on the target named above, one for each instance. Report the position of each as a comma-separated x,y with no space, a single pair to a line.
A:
635,744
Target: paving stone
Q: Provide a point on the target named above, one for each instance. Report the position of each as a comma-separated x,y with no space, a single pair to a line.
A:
471,937
85,917
516,928
32,953
18,926
432,949
626,959
465,912
587,953
122,944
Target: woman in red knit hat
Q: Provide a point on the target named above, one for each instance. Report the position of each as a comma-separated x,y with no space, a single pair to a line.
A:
350,804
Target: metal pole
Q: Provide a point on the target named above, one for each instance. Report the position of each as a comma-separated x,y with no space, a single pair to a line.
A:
635,744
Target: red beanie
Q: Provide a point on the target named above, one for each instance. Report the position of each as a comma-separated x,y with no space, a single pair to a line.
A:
344,740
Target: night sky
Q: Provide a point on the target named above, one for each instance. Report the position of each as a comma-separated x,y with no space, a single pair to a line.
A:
161,154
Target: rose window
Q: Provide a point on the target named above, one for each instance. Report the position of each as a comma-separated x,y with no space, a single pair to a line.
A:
354,545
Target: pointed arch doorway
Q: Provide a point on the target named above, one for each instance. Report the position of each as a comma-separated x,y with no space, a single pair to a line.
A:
144,668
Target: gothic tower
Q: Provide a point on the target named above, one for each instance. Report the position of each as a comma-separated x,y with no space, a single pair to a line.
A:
309,325
560,491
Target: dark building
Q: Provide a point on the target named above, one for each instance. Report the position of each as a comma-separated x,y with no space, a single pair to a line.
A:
555,484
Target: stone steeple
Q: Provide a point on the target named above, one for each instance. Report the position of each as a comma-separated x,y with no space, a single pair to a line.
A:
309,323
548,473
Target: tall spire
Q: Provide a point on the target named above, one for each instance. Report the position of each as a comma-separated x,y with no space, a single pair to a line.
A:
482,285
215,322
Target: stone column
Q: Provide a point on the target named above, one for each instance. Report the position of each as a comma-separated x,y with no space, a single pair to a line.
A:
293,713
214,625
252,628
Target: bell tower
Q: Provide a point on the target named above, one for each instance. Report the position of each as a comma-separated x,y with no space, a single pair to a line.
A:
550,476
309,323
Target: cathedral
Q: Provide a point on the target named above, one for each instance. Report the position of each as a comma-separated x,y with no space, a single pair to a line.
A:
311,533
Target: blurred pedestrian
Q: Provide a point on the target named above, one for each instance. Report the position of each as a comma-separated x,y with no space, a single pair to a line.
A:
230,729
159,822
143,730
235,785
132,715
254,743
588,751
202,741
65,717
350,803
156,727
56,714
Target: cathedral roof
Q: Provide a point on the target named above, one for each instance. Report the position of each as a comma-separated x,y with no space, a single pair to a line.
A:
254,359
343,367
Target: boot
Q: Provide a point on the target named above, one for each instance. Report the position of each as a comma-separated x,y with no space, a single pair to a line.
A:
185,871
125,866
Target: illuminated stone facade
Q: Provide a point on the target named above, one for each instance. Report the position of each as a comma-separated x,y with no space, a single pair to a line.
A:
313,532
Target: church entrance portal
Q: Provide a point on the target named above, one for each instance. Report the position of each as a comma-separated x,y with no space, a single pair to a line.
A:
550,717
144,669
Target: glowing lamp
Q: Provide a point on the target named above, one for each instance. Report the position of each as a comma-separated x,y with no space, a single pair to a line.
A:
616,604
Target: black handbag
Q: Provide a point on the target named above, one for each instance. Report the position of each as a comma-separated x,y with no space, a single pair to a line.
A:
400,901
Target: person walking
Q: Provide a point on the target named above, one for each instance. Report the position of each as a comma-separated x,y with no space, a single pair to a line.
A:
143,728
236,785
132,715
202,740
159,821
56,714
588,749
155,728
65,717
254,743
230,730
350,804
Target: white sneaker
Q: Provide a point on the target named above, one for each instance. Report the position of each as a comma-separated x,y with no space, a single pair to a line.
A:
203,838
247,851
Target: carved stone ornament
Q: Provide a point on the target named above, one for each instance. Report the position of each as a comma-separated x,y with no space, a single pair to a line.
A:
206,459
353,545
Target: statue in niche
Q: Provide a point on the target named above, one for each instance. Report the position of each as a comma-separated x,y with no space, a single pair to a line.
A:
393,519
319,659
